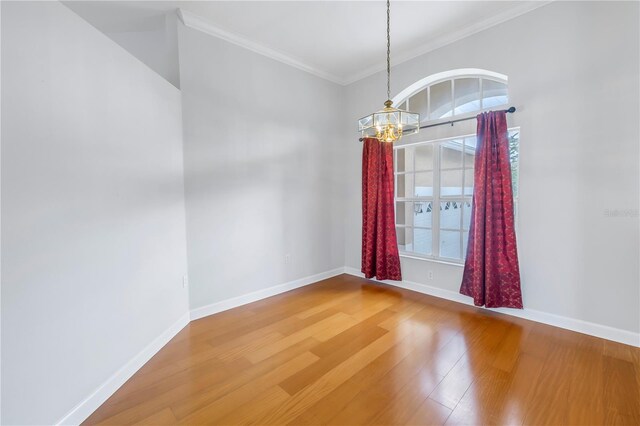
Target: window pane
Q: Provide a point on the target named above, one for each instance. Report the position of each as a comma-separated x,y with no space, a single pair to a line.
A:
451,154
493,94
404,160
450,214
423,213
466,95
424,157
450,244
470,148
418,103
468,182
469,153
441,102
422,241
405,239
466,214
402,106
404,185
514,157
404,213
424,184
450,183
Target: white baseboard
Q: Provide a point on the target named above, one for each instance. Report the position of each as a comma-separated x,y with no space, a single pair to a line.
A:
585,327
83,410
234,302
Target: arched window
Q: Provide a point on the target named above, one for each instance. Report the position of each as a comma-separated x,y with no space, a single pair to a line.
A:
434,176
454,94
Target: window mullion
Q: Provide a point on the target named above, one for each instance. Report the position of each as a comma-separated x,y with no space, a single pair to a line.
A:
453,97
461,236
413,168
464,155
435,217
428,103
413,196
395,189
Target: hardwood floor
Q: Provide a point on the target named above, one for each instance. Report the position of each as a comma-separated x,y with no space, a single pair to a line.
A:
345,351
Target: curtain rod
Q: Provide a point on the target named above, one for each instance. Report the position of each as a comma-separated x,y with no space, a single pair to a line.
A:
509,111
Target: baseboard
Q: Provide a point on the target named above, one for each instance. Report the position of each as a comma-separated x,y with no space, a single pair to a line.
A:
234,302
83,410
580,326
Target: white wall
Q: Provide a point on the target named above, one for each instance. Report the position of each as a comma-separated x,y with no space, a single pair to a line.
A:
263,170
573,75
148,32
93,240
157,48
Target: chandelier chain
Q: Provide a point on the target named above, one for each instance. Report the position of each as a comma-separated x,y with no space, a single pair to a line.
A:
389,124
388,50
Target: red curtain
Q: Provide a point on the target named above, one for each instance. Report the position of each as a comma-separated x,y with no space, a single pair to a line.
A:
491,271
380,256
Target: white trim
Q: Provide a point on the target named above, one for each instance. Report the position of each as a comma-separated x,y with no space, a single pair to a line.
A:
580,326
426,141
438,42
198,23
234,302
431,259
91,403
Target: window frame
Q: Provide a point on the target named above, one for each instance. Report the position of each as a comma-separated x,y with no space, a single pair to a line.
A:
406,103
426,83
436,198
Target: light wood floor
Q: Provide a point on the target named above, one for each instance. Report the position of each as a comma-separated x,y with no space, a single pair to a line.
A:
347,352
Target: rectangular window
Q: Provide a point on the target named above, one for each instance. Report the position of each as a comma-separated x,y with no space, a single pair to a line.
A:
434,189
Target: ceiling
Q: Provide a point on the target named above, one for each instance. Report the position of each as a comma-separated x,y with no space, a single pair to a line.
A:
341,41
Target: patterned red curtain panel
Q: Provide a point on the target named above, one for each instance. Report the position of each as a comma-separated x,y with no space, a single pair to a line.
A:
491,271
380,256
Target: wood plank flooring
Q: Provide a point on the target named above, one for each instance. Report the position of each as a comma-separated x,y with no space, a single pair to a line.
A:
345,351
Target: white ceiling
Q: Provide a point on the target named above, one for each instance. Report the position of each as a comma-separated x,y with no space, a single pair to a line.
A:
342,41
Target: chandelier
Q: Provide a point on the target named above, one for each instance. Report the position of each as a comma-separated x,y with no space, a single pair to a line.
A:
389,124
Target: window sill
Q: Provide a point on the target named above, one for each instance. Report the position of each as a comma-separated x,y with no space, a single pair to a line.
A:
427,259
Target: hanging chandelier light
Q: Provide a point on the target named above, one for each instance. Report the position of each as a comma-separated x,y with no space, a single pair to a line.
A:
389,124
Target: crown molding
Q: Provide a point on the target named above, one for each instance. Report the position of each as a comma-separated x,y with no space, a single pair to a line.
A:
446,39
198,23
201,24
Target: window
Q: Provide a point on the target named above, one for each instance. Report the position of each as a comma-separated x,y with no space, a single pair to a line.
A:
434,178
453,94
